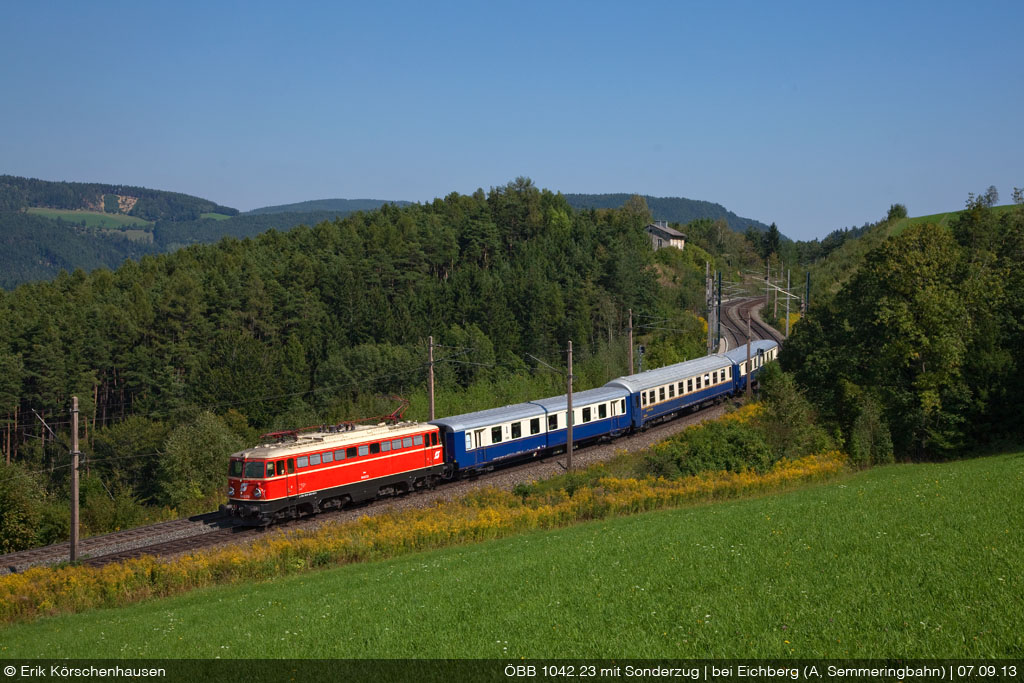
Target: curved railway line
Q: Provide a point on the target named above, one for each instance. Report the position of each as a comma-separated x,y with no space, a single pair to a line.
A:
734,322
215,528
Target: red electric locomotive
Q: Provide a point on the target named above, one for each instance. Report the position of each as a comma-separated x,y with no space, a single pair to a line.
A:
295,473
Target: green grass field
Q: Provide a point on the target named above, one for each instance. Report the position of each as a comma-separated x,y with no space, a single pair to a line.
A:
940,219
92,219
907,560
215,216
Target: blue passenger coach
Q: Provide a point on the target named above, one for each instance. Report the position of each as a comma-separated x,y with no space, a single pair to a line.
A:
479,439
761,351
657,394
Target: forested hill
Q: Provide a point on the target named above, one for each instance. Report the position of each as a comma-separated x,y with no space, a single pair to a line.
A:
671,209
342,206
18,193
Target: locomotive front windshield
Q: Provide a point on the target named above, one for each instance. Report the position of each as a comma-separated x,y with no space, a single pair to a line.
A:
254,469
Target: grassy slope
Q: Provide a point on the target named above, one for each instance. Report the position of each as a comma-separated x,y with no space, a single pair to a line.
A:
92,219
921,560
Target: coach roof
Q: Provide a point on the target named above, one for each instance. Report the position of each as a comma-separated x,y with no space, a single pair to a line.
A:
670,373
739,354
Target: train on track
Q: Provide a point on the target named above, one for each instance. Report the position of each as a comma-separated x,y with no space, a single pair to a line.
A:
302,472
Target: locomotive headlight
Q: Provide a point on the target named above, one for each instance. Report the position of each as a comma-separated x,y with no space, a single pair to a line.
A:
257,493
244,487
231,490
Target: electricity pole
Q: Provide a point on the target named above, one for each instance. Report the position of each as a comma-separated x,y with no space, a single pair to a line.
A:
74,478
788,273
630,342
430,384
749,373
568,416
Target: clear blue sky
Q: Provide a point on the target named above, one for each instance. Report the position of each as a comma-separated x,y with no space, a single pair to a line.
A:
814,115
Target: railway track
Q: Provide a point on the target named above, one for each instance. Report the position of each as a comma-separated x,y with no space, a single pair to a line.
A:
734,322
214,529
114,542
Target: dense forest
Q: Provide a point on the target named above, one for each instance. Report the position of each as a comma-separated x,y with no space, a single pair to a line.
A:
181,358
920,351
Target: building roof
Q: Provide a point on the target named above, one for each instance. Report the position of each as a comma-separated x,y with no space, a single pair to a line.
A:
662,227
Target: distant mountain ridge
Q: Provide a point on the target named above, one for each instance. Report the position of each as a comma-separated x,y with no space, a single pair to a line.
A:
17,194
344,205
671,209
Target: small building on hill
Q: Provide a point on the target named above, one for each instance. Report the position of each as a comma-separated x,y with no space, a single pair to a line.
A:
663,236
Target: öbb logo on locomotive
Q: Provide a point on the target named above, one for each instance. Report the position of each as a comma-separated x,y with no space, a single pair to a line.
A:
303,472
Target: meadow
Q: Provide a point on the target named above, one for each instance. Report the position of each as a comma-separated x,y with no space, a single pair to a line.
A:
919,560
91,219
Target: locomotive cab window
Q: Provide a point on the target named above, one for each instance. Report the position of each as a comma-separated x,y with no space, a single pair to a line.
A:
235,468
280,468
433,438
270,470
254,470
291,465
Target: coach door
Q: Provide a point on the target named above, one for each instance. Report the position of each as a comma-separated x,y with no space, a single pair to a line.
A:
291,477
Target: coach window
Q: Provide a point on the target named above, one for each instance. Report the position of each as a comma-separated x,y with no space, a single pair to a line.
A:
586,415
385,446
363,450
644,397
303,462
622,410
280,468
396,444
706,380
689,386
602,411
329,456
314,459
375,448
650,397
671,390
679,389
535,426
291,465
698,383
661,393
417,440
517,430
552,422
495,434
